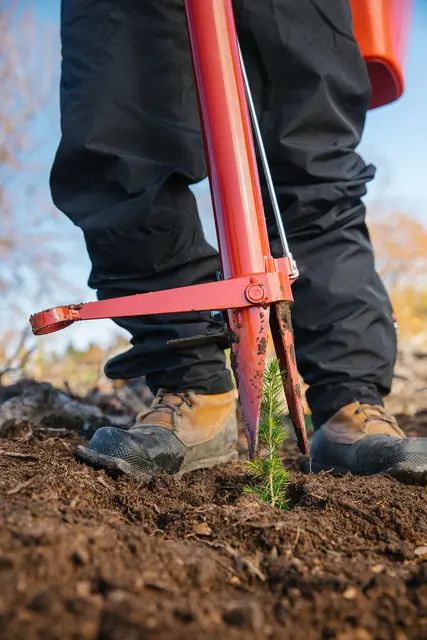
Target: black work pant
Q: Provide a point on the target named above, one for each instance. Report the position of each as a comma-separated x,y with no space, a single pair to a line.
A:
131,146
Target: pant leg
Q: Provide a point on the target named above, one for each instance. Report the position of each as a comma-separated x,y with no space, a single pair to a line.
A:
312,92
131,145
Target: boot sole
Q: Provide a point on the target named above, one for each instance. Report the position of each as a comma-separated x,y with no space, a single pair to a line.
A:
117,467
401,472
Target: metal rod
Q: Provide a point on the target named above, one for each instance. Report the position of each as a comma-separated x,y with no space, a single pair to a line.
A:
266,167
235,186
230,150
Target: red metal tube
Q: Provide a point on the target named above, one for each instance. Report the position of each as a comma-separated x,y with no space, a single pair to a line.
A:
235,188
236,193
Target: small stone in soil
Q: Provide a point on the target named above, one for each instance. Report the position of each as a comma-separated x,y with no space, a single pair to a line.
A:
247,616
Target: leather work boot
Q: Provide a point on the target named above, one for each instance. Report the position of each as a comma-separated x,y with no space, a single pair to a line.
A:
181,432
362,439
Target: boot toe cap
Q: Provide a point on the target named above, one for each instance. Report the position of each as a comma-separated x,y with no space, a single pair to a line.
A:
403,458
138,454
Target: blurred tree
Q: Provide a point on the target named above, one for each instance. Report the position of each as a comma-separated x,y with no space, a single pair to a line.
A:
81,369
29,236
26,80
400,243
401,250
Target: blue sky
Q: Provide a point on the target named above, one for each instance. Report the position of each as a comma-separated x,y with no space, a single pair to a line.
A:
395,137
395,140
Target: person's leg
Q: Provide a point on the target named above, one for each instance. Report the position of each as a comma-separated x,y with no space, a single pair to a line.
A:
313,102
131,146
312,92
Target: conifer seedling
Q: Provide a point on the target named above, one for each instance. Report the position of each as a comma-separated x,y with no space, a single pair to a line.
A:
270,478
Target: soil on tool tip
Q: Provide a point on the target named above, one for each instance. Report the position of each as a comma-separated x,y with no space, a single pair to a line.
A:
85,557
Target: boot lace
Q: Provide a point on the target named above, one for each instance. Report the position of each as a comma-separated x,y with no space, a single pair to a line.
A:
164,406
376,412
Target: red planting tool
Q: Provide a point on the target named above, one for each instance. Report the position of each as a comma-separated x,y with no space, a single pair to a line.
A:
255,289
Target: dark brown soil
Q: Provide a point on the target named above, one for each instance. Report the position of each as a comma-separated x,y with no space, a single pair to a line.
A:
86,557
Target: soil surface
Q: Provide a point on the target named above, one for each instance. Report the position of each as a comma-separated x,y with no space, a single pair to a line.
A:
83,556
